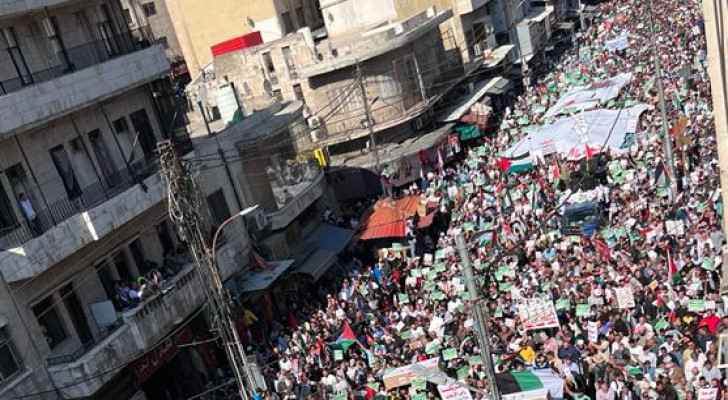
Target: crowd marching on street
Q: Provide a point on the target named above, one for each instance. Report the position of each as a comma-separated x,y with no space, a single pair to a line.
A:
629,311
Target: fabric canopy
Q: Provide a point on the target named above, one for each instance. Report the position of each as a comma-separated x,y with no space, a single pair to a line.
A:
388,217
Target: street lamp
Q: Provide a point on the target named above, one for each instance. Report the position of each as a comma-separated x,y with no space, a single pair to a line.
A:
236,346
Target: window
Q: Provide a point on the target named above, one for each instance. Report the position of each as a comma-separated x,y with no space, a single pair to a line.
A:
127,16
290,63
121,126
16,54
7,215
298,93
270,69
50,322
301,17
287,22
278,95
219,209
149,9
10,362
65,170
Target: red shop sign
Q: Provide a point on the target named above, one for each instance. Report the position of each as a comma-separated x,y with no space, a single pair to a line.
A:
152,361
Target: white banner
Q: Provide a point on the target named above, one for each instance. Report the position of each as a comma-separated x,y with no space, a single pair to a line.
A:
590,128
619,43
583,98
537,313
625,298
454,391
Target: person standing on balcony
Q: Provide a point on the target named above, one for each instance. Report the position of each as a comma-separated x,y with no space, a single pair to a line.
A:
30,214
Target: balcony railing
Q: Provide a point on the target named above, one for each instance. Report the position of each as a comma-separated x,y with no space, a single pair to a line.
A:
182,290
83,56
86,198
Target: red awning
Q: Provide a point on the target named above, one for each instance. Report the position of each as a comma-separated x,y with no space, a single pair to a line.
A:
388,218
426,221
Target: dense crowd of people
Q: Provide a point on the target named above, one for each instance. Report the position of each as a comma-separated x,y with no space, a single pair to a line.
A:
637,300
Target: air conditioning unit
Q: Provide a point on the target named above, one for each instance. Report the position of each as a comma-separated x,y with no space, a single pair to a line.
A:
314,122
257,220
316,135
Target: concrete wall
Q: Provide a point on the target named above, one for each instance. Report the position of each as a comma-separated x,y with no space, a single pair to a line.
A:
343,16
160,24
40,103
202,24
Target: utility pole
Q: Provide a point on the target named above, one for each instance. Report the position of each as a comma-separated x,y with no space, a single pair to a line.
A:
185,203
370,123
666,139
715,17
481,315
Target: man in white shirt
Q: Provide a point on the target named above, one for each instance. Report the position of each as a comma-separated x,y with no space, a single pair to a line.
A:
27,207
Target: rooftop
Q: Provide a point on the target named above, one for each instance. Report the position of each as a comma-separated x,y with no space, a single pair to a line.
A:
343,51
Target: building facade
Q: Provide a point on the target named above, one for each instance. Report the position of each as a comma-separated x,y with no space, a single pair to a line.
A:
200,25
264,166
401,64
82,208
155,15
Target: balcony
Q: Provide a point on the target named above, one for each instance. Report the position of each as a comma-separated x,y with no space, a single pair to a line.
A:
138,330
89,73
468,6
301,198
67,225
14,7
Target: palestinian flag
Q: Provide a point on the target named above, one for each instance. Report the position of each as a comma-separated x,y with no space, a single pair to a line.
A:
516,164
527,381
346,338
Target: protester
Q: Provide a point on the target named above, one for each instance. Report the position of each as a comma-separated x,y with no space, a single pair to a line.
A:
635,290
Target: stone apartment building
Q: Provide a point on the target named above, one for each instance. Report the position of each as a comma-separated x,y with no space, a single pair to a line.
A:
155,15
402,64
82,209
201,24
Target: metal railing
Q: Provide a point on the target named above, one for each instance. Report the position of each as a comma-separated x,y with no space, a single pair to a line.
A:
182,278
85,199
76,58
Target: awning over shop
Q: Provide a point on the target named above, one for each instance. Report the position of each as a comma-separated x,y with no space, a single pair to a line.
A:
260,280
388,217
426,221
500,86
497,56
329,241
481,90
468,132
565,26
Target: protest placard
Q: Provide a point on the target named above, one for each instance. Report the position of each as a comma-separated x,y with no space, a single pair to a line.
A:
449,354
405,375
582,310
338,355
538,313
593,331
454,391
625,298
427,259
708,394
696,305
